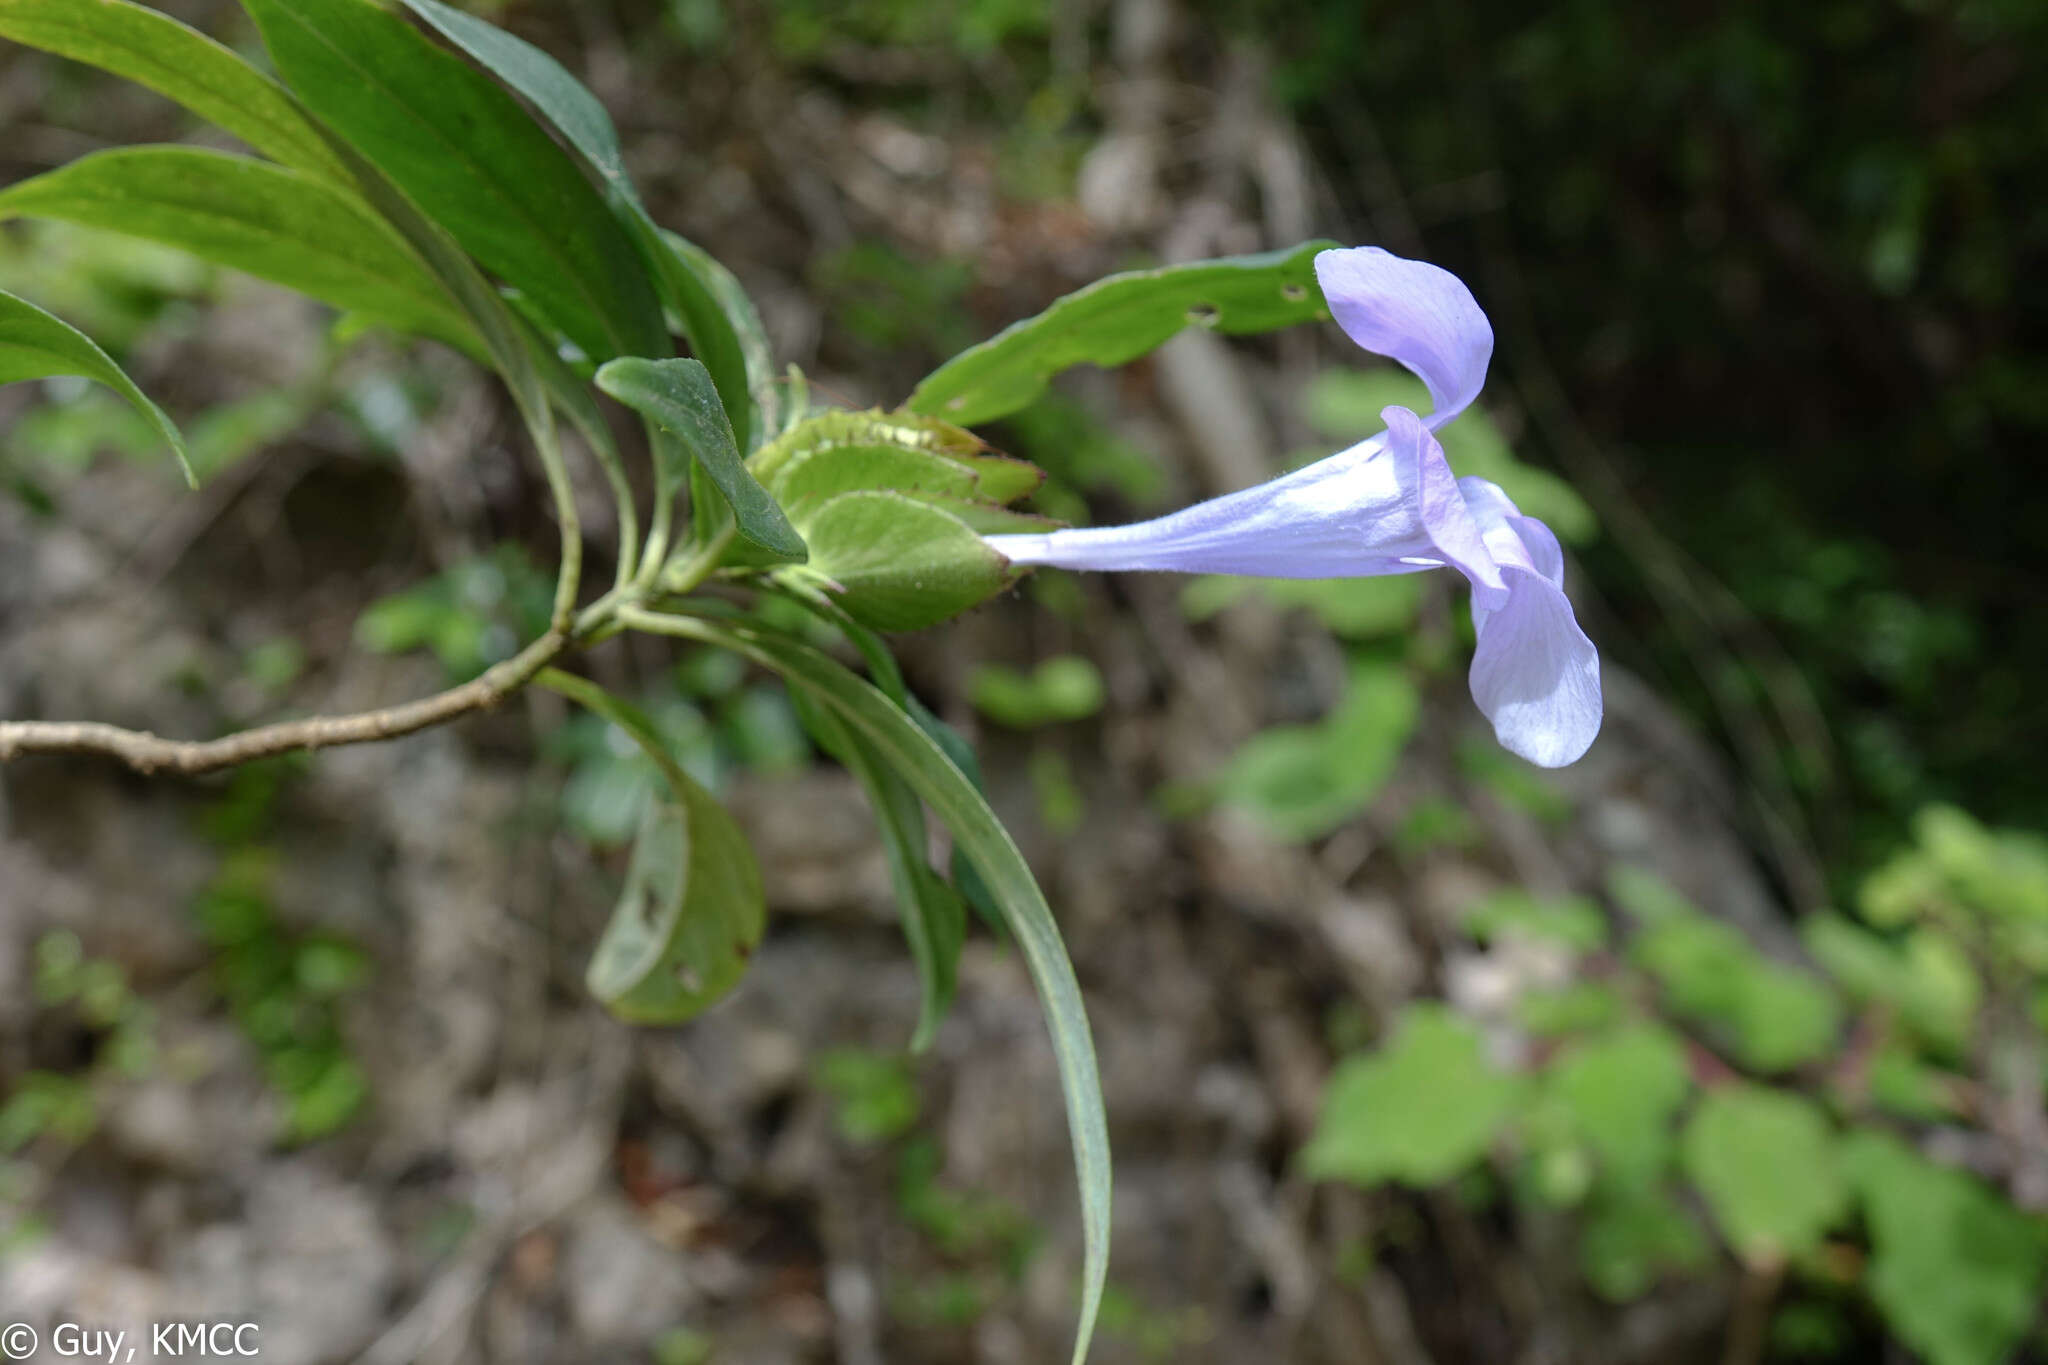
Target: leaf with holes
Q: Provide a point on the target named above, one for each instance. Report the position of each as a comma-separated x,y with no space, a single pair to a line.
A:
36,345
688,919
692,909
1118,319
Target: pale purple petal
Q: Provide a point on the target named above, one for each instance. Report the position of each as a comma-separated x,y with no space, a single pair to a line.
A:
1418,314
1545,554
1455,537
1535,674
1388,505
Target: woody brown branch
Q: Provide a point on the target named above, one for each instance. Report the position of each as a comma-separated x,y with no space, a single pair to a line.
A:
147,753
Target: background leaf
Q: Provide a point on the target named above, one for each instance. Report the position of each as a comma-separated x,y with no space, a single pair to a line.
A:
1622,1091
1765,1162
275,223
474,161
1956,1270
1303,781
35,345
1118,319
1420,1110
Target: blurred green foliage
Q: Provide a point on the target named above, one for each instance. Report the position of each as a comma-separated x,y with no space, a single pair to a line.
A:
983,1244
474,614
63,1107
286,987
1065,687
1691,1071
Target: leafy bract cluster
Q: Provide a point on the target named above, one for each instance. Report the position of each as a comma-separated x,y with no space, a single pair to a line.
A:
444,179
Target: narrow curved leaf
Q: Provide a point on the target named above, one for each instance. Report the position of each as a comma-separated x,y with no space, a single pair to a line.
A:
679,397
474,161
942,786
692,910
1118,319
933,915
276,223
181,63
35,345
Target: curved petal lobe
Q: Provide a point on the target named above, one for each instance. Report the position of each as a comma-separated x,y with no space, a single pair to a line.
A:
1418,314
1535,674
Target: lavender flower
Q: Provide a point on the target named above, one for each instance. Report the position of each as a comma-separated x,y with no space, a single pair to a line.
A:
1388,505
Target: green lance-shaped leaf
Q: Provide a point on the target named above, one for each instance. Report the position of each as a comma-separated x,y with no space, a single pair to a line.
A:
954,745
1118,319
474,161
177,61
273,222
889,678
679,397
35,345
562,99
943,787
897,564
692,909
713,311
934,918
